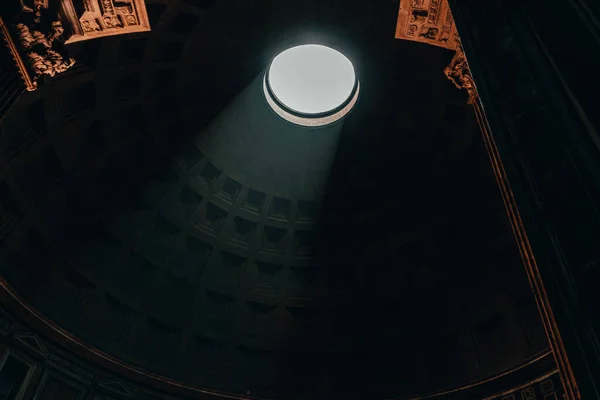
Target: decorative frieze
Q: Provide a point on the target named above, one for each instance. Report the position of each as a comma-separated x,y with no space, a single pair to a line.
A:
427,21
90,19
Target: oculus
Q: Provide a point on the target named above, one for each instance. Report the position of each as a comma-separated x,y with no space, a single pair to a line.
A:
311,85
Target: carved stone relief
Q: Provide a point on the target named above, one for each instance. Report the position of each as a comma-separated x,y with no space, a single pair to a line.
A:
427,21
90,19
36,41
459,73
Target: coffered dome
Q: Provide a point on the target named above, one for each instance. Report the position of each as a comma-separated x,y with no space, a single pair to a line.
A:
146,213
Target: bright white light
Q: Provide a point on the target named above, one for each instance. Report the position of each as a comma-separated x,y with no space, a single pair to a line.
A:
311,79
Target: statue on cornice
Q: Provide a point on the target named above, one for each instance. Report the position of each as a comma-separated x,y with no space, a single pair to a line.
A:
460,74
38,31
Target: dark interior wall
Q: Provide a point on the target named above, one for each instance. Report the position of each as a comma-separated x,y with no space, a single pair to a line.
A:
541,115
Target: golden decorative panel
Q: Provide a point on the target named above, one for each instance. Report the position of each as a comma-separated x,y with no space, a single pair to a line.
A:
427,21
90,19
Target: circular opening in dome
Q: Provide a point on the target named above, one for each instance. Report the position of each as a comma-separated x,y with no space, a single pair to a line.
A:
311,85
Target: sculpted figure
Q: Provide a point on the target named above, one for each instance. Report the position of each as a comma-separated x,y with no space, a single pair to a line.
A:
459,73
38,30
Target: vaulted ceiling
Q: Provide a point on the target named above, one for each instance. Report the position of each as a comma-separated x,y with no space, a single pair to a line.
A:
118,227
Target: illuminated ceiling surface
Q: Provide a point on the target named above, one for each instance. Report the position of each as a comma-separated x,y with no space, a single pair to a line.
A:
126,223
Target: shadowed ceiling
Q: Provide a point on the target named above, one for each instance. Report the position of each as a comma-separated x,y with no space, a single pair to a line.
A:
404,279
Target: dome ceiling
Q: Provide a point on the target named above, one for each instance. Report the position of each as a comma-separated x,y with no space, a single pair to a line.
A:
120,227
